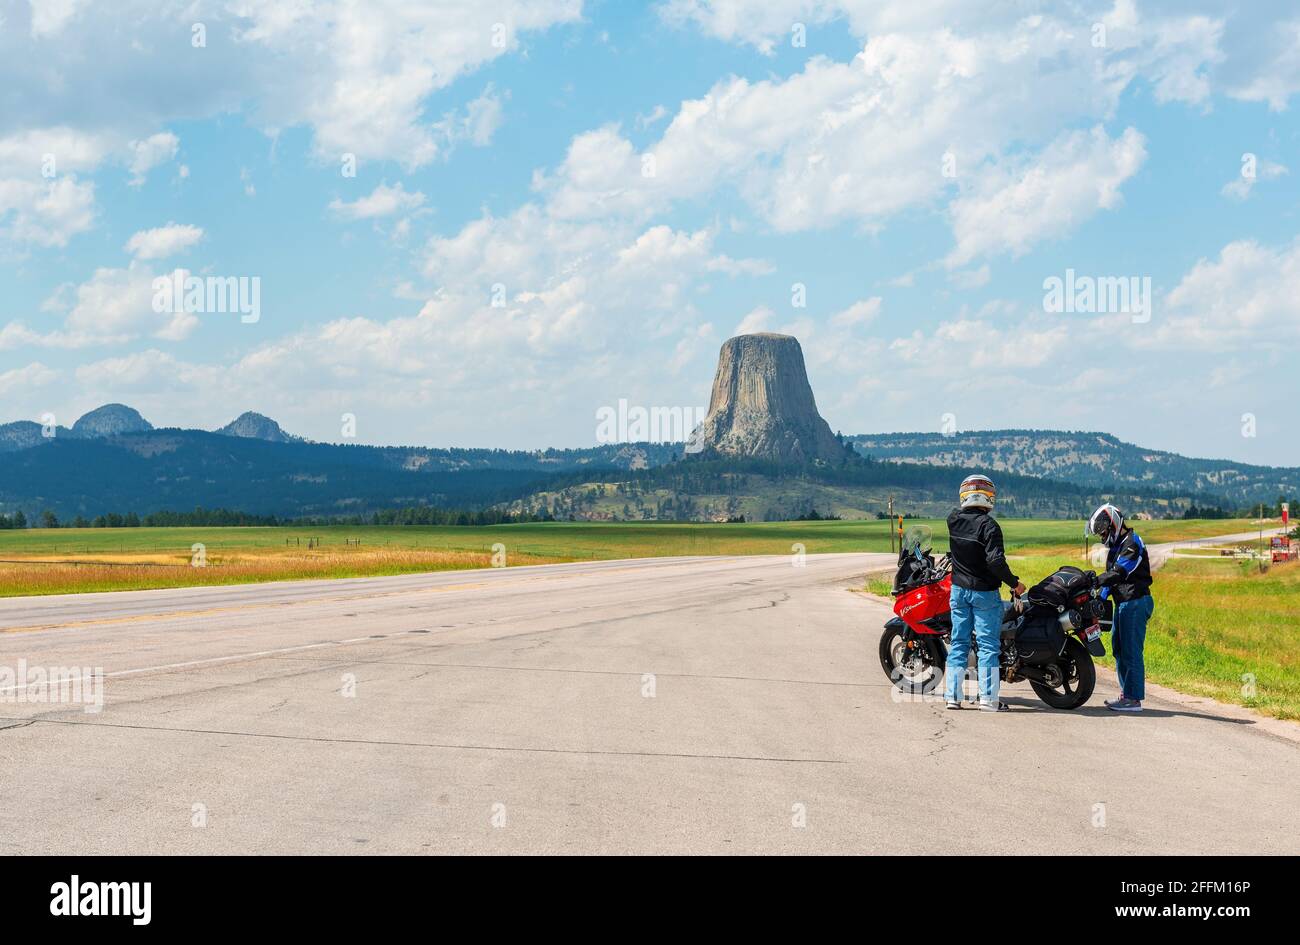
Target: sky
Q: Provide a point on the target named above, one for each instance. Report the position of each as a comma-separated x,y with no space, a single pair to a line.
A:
481,223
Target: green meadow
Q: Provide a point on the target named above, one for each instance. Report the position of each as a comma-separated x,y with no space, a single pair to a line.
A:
571,541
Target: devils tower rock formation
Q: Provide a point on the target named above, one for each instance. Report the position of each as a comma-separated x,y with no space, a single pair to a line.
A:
762,405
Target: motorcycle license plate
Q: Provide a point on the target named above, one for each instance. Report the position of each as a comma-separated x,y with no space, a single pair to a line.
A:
1093,632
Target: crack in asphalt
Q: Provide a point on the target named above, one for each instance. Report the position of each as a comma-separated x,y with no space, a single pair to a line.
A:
584,672
379,742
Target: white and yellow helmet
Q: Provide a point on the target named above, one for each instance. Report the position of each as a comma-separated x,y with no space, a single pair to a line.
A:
978,492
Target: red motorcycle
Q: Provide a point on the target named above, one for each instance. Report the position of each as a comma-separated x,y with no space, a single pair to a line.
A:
1048,640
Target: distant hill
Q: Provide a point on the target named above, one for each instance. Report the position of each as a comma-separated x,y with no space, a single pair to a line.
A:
114,460
24,434
176,470
721,489
255,426
110,420
180,469
1095,460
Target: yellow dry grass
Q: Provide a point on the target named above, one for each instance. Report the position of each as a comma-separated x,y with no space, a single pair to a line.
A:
50,575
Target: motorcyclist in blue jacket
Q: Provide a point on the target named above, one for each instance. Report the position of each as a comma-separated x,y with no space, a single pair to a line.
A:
1126,580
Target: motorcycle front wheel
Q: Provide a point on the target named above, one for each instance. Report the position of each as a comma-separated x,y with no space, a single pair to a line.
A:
911,670
1079,677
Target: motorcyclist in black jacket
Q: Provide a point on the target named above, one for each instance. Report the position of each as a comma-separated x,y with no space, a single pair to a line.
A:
979,569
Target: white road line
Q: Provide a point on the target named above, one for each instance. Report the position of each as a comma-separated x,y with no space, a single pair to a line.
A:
215,659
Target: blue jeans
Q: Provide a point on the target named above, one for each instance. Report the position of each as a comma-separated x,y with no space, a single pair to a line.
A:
980,611
1128,636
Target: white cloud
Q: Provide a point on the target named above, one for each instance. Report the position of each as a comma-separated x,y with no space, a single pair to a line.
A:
478,123
740,267
25,379
360,76
971,278
117,304
1272,74
1176,44
152,151
859,313
1014,208
383,201
163,241
148,372
653,117
574,293
1244,299
44,201
46,213
49,17
806,151
977,345
26,153
759,319
1240,187
764,23
114,306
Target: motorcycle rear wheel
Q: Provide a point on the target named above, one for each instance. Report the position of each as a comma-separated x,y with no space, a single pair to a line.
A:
1080,678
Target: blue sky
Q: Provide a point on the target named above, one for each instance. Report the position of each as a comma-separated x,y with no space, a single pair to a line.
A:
633,184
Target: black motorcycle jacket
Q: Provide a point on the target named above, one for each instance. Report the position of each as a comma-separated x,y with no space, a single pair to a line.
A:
979,561
1128,568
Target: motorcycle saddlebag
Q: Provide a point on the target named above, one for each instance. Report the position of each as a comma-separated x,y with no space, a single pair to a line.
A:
1039,638
1058,590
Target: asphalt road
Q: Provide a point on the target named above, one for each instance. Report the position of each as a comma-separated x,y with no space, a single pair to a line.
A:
1161,553
667,705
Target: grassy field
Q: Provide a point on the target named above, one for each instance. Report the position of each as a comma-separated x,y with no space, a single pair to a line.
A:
71,560
1223,629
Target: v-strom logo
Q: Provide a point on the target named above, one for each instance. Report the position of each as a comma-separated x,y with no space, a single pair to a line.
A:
123,899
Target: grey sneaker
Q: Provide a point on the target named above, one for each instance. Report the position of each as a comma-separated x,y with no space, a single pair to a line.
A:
994,707
1124,704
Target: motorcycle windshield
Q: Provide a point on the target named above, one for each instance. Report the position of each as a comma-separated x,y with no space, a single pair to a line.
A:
917,540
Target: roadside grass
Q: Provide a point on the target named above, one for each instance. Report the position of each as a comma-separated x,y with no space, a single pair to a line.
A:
579,539
20,579
880,582
1224,630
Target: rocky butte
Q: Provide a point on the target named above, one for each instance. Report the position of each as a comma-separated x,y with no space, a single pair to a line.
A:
762,405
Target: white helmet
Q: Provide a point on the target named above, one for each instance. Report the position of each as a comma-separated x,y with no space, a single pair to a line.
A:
1106,523
978,492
